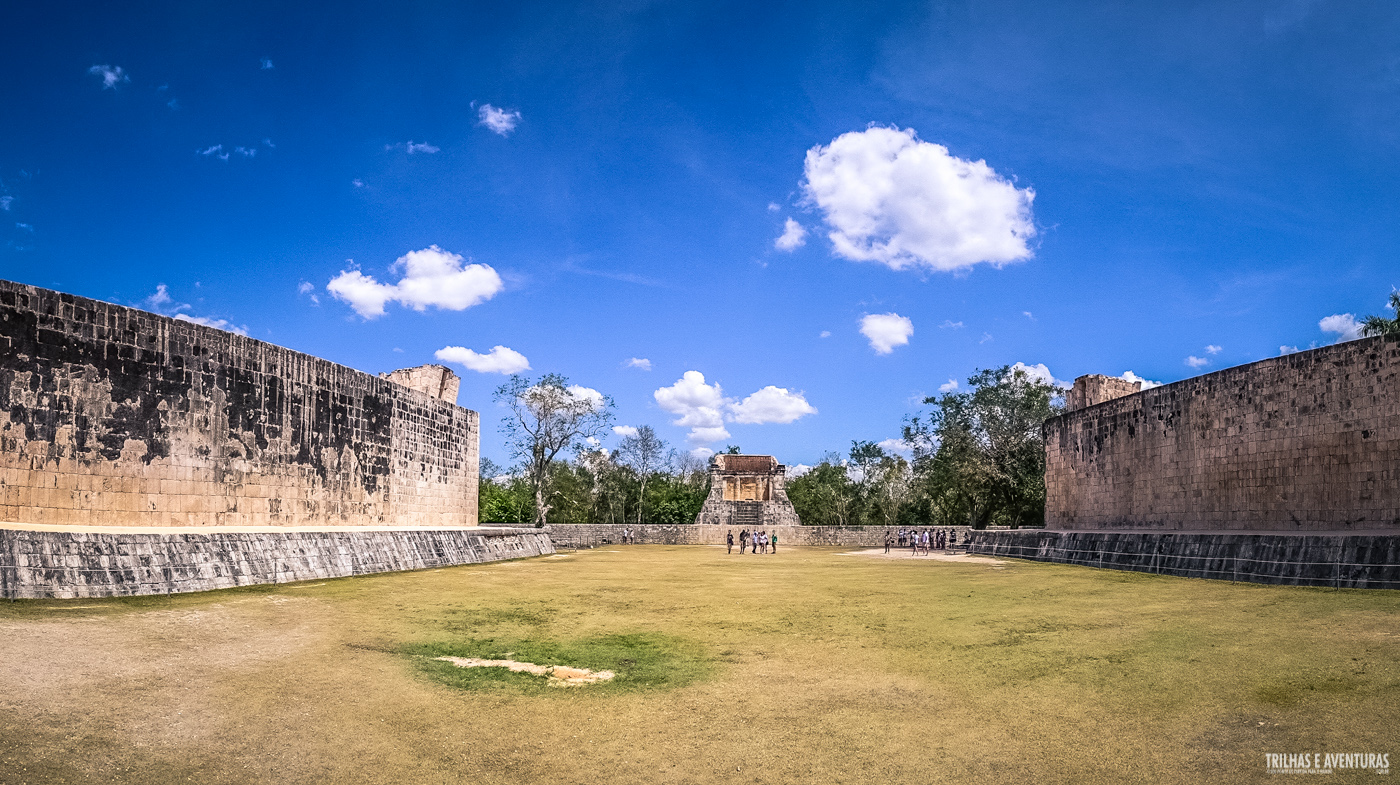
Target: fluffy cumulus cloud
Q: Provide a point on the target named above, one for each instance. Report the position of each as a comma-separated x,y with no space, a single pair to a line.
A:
794,236
1041,373
896,446
111,75
625,430
704,409
1147,384
500,121
885,331
949,386
431,277
1196,362
1213,349
499,360
892,198
588,394
1343,325
638,362
771,405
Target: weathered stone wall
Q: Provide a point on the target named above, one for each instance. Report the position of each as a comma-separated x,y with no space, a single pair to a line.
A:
591,535
1337,559
747,491
433,380
1095,389
64,564
1304,442
114,416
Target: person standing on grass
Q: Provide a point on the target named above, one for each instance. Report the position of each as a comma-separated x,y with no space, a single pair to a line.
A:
743,541
729,540
887,542
774,535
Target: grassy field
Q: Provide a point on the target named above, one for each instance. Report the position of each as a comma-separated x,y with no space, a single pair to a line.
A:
810,666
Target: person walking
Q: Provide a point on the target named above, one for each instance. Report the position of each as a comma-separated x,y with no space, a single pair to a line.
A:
743,541
729,540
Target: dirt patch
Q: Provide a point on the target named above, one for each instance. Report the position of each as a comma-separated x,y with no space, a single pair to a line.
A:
903,553
558,675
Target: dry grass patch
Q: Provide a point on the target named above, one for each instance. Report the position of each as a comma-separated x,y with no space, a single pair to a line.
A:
806,666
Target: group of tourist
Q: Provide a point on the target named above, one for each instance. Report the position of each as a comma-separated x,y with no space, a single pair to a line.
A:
923,542
759,541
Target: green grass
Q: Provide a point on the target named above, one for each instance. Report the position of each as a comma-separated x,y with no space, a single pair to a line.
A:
807,666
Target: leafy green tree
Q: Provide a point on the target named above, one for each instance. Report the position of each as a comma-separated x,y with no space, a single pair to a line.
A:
979,457
546,418
1379,325
644,452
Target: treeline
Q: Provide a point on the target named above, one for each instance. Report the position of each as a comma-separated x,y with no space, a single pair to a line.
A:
976,458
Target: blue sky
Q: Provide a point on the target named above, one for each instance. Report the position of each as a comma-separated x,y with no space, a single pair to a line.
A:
1097,188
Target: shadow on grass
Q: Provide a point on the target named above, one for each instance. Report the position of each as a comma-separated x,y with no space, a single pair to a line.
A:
642,662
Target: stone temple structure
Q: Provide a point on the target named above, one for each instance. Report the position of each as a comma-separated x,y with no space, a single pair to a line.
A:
142,454
747,491
1286,470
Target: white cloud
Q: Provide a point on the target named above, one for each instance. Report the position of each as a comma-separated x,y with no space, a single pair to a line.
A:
26,227
898,446
500,121
794,236
1147,384
1286,349
1213,349
499,360
950,324
216,151
587,394
950,386
886,331
267,64
891,198
625,430
1197,362
986,337
421,147
771,405
703,453
112,75
219,324
1343,325
825,334
1028,315
160,298
697,405
773,207
704,409
5,202
1041,373
793,472
432,277
246,152
358,183
638,362
305,287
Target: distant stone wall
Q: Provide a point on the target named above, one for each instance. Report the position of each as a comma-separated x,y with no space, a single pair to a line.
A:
1338,560
113,416
1304,442
591,535
61,564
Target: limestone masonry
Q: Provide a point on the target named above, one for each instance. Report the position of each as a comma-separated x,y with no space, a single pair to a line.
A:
113,416
747,491
1307,442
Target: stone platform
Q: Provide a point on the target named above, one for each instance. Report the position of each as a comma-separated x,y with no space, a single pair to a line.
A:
1358,560
66,562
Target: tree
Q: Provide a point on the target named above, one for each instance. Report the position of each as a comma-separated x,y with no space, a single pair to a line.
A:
644,452
545,419
1379,325
979,455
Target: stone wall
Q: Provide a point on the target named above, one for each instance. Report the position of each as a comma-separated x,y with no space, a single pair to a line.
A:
113,416
1304,442
436,381
64,564
747,491
591,535
1336,559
